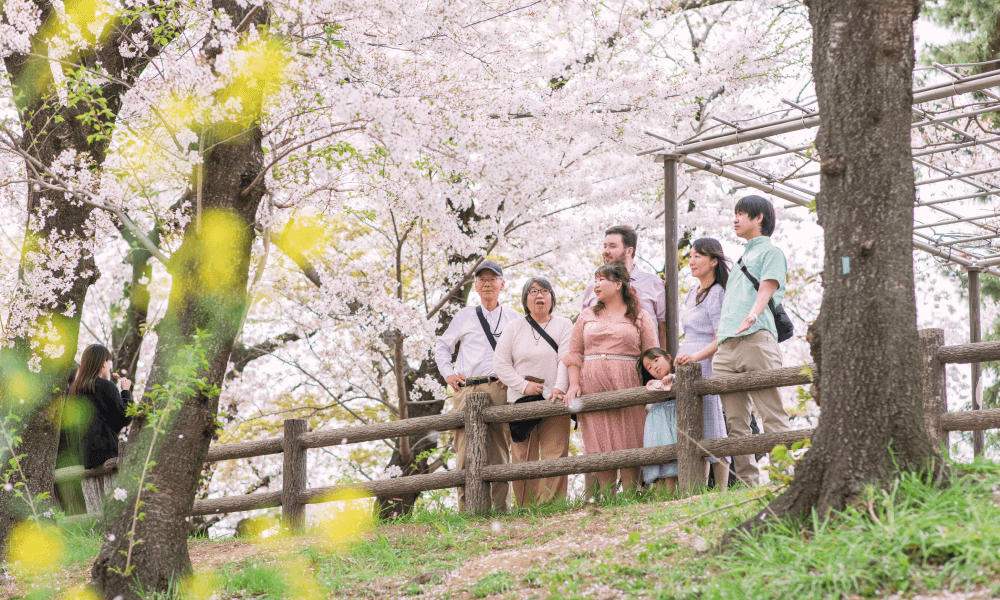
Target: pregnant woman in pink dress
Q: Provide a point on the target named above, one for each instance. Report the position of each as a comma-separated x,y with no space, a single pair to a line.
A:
607,340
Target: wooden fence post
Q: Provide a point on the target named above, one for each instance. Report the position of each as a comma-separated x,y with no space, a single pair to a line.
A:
932,374
477,491
690,429
293,475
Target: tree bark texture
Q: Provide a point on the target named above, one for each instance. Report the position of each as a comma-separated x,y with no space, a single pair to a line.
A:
207,300
872,406
58,222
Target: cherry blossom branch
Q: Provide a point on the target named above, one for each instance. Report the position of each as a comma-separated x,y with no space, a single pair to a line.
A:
38,168
285,153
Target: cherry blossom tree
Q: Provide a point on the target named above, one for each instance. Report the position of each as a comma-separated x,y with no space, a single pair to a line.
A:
68,78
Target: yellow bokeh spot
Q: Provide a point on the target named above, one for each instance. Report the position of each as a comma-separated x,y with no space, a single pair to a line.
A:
179,111
262,68
81,20
346,518
222,237
302,585
19,385
258,528
79,592
302,237
199,586
77,414
34,549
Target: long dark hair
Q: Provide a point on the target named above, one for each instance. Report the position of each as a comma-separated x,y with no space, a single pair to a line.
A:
616,271
652,354
711,248
91,363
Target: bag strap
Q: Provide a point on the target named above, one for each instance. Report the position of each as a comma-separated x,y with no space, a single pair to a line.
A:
756,284
543,333
486,327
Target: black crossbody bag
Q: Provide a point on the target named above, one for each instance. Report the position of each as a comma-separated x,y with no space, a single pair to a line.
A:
782,322
520,431
486,327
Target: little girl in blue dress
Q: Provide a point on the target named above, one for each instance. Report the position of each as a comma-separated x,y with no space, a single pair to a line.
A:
654,366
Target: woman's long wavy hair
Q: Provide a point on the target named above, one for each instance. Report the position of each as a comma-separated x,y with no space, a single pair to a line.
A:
616,271
91,363
711,248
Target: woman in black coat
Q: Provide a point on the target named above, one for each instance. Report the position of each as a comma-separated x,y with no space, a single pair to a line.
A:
100,441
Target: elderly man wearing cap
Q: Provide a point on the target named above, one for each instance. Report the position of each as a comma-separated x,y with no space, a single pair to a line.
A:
475,330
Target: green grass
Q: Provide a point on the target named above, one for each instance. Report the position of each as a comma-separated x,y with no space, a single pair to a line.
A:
494,583
914,537
909,538
255,580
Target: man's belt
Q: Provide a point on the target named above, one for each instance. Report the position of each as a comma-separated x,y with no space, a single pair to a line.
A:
471,381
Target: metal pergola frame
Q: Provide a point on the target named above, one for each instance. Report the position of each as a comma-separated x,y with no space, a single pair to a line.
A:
741,152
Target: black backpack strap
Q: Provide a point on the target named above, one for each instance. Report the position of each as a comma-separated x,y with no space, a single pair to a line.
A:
756,284
543,333
486,327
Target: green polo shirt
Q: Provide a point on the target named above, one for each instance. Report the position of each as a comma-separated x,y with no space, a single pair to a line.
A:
764,261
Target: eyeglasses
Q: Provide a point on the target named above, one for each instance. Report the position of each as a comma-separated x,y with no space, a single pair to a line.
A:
537,291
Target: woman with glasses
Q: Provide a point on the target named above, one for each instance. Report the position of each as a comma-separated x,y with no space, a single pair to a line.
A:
527,361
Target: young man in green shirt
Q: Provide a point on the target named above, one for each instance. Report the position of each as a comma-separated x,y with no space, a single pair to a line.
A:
748,339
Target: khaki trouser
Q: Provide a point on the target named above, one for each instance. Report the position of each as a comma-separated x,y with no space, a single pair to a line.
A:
497,442
550,439
755,352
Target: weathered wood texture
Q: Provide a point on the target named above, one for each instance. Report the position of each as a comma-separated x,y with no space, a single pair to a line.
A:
294,475
379,431
244,449
757,380
400,485
583,463
975,369
670,250
971,420
688,385
690,471
754,444
588,403
969,353
77,472
477,491
637,457
229,504
933,386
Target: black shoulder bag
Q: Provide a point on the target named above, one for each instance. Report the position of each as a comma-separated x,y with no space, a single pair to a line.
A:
520,431
486,327
781,320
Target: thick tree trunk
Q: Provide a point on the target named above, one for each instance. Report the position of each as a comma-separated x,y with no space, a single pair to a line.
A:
210,273
872,419
59,226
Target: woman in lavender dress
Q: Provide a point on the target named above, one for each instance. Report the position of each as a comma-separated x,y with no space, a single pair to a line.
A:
700,318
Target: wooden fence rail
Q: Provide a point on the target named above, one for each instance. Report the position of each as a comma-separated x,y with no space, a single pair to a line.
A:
689,387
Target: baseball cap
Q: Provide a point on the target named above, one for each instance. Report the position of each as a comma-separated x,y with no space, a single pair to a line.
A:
489,265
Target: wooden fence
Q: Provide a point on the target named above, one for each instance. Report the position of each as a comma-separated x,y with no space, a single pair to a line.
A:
689,451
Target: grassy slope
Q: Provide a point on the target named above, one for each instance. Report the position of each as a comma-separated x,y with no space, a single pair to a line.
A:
911,539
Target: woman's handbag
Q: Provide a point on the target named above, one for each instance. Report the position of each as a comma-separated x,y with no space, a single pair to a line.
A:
782,323
520,431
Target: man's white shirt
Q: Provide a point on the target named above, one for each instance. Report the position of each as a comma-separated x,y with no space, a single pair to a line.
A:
475,354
